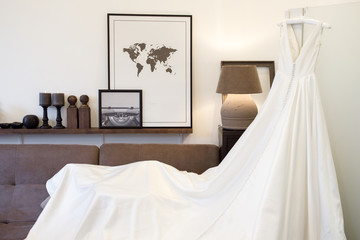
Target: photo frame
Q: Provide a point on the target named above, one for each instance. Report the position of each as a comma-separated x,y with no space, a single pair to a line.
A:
120,108
153,53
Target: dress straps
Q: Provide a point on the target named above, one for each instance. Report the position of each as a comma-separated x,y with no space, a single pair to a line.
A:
295,50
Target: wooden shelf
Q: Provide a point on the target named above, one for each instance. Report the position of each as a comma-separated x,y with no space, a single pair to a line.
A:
11,131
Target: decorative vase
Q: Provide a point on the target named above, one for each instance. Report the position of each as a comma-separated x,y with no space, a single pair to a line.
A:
31,121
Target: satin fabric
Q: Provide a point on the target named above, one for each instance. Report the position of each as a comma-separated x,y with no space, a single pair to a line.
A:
277,183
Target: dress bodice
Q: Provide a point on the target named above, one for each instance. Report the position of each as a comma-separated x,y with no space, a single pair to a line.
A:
296,60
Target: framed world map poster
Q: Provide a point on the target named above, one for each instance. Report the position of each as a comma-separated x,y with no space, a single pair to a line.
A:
153,53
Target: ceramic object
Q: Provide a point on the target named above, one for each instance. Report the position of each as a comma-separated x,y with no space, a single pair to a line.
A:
16,125
4,125
31,121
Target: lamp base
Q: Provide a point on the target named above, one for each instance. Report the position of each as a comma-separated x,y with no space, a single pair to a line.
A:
238,111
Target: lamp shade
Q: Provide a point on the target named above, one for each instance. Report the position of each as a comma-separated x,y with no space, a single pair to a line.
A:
239,79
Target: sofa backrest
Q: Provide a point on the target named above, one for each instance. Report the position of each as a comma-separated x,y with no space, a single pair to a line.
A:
186,157
24,170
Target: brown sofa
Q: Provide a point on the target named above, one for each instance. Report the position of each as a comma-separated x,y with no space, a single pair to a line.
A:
24,170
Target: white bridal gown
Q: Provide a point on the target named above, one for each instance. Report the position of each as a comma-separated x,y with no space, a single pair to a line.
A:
277,183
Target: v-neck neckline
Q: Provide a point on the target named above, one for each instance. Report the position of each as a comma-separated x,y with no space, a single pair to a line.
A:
290,45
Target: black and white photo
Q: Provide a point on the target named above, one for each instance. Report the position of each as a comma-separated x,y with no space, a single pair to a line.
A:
120,108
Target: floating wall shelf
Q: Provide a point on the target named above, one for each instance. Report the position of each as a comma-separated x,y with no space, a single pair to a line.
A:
11,131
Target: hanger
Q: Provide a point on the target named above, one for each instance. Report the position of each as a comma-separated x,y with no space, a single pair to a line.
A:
302,20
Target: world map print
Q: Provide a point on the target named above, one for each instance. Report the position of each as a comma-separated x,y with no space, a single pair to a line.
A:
143,54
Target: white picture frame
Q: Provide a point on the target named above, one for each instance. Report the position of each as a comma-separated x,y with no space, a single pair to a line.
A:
153,53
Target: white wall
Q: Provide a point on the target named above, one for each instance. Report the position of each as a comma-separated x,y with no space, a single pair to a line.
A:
339,82
61,46
319,3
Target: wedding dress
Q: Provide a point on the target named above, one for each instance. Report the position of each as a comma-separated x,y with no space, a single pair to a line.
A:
277,183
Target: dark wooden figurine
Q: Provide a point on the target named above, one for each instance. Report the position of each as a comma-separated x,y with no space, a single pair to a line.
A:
84,112
72,113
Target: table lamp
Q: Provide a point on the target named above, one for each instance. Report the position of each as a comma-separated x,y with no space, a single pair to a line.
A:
238,81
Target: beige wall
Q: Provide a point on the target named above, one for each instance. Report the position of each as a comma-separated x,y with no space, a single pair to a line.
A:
339,82
61,46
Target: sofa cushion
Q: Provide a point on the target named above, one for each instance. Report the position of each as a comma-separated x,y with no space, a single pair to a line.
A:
49,159
25,204
24,170
186,157
7,166
6,194
15,231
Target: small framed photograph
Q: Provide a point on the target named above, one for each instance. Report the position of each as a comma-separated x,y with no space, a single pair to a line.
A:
153,53
120,108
